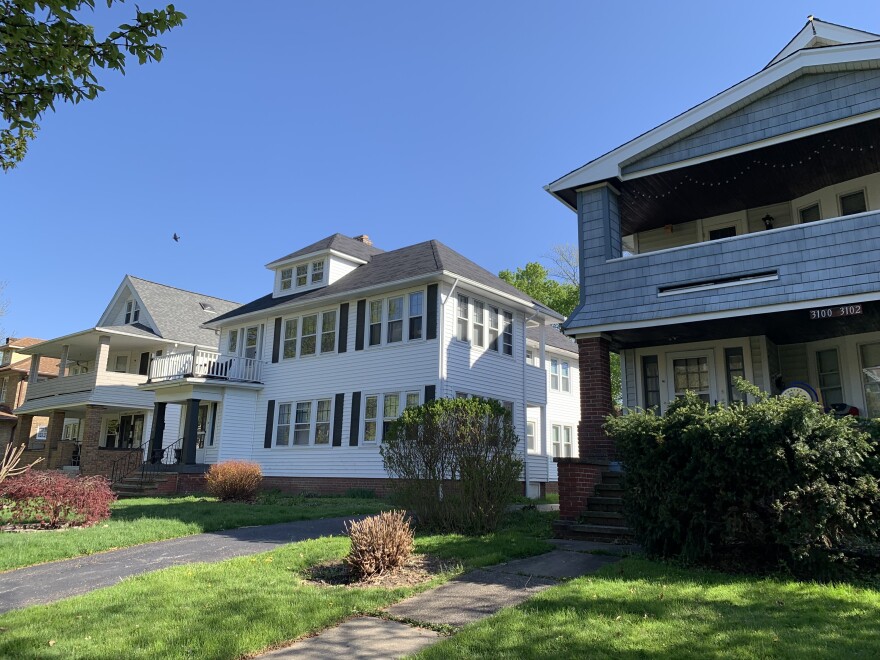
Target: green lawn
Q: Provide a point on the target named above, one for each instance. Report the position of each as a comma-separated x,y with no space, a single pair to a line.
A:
643,609
236,607
141,520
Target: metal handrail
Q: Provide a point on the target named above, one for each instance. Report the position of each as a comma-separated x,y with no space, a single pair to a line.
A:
125,465
159,461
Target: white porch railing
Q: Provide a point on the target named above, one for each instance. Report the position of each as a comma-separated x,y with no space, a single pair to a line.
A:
206,364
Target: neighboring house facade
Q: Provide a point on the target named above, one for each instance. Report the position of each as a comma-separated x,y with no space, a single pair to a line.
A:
15,374
739,238
97,418
311,375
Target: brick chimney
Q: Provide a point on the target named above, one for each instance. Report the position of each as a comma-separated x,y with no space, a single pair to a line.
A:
363,238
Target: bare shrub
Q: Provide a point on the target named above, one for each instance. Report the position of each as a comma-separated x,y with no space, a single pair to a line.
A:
379,543
234,480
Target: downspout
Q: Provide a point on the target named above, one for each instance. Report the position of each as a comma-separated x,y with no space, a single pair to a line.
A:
441,367
526,407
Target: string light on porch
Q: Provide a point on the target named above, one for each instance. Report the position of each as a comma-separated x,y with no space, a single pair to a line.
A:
758,162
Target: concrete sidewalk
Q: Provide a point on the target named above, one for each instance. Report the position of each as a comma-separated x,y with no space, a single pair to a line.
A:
46,583
469,598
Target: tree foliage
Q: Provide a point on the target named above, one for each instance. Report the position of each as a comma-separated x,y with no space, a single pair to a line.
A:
454,462
774,481
534,280
47,54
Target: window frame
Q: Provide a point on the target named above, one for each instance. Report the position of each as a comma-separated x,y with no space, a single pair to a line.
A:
389,321
554,374
302,273
384,321
864,193
565,377
410,316
311,425
531,436
285,340
507,333
478,323
556,440
840,374
4,389
314,271
462,318
132,311
801,209
381,419
285,282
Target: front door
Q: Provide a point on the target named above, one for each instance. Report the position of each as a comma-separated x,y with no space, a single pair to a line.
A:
694,372
203,432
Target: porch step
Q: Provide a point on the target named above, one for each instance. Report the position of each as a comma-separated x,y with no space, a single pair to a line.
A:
609,490
136,487
612,477
599,503
601,533
604,518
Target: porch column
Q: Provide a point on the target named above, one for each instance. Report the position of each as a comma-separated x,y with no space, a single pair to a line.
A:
62,363
90,455
34,369
102,355
23,431
157,432
191,431
53,438
594,360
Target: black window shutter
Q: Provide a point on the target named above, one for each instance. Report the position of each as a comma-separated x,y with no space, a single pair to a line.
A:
359,329
337,419
342,338
270,420
355,429
431,332
276,341
430,393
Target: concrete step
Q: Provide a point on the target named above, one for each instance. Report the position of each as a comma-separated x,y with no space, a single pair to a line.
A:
609,490
608,518
601,533
599,503
610,477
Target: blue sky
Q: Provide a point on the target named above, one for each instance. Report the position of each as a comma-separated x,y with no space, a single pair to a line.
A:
272,124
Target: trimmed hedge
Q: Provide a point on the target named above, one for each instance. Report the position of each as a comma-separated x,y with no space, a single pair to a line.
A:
775,481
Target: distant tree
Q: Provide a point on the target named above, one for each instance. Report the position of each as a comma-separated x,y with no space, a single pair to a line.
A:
47,55
561,296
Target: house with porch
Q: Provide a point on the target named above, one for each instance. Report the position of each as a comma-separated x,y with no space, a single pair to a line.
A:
97,418
14,377
309,376
739,238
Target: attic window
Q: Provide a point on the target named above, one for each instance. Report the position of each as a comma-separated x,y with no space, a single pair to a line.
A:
317,272
208,307
286,278
132,312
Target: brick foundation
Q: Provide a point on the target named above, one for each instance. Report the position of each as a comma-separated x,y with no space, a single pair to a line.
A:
578,479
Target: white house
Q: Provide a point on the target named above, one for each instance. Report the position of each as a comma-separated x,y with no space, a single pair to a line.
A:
310,375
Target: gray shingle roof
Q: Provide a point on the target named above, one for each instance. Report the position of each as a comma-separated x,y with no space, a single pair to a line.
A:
553,338
178,314
338,242
430,257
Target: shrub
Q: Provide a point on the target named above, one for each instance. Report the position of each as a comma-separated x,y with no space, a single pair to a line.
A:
234,480
53,499
379,543
777,480
361,493
455,463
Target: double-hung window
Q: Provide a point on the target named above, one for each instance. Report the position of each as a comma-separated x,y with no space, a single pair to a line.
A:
463,321
317,271
232,343
375,322
328,331
507,337
291,327
302,423
302,275
566,441
322,422
286,279
394,332
412,399
554,374
390,410
132,312
531,439
493,329
479,323
282,432
416,300
830,381
308,344
371,412
557,440
564,378
310,424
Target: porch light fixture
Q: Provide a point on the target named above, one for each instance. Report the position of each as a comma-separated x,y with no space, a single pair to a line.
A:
768,221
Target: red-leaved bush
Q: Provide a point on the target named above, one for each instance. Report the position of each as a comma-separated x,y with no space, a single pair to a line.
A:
234,480
52,499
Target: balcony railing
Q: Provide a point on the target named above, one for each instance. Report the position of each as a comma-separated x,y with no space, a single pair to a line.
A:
206,364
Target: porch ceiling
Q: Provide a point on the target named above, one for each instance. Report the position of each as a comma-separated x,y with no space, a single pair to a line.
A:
84,345
792,327
752,179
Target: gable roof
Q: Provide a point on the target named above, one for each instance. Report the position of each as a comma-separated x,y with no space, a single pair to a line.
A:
817,33
553,338
339,243
865,52
20,342
178,314
422,259
48,366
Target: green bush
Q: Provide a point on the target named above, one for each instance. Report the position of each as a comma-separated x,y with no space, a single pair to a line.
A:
776,481
454,463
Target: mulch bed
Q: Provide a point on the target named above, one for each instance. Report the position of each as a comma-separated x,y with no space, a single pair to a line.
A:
416,570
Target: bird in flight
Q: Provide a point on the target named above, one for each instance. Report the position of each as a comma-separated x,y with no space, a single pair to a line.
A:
176,238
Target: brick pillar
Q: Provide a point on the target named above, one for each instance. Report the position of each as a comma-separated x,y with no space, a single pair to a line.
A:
53,438
594,360
23,432
89,462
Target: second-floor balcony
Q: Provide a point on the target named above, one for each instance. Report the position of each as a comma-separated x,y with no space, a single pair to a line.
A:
205,364
786,267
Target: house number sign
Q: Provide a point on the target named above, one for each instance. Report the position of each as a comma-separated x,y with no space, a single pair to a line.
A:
834,312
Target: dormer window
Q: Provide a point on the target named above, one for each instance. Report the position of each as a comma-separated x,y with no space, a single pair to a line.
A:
302,275
286,279
132,312
317,271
